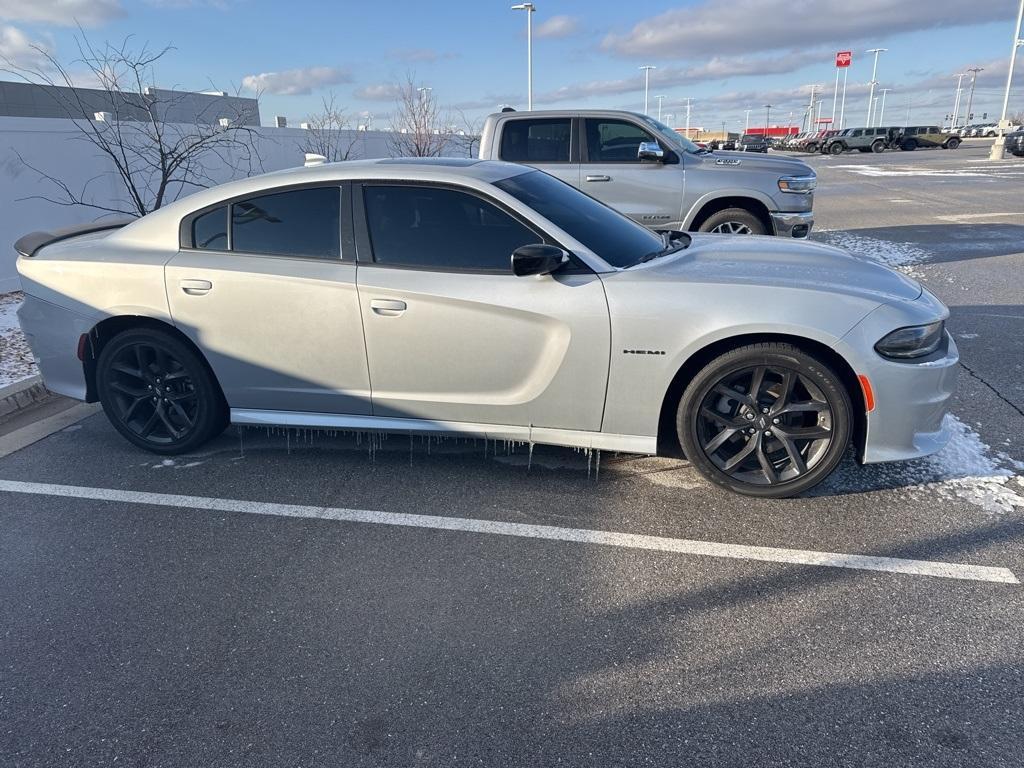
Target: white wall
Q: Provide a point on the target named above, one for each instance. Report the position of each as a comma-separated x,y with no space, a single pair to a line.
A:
56,147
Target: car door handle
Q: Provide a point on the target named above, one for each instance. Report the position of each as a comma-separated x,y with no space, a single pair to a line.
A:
598,177
195,287
388,307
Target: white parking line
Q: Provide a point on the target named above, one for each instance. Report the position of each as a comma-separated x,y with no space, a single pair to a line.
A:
578,535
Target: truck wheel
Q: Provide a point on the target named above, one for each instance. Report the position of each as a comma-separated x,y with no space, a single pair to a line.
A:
733,221
835,149
812,147
953,143
765,420
878,146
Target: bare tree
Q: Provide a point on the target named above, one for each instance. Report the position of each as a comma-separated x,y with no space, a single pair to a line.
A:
327,133
153,160
418,128
467,134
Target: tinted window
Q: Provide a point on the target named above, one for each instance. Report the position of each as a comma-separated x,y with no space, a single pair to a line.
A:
614,141
302,222
437,228
858,132
210,231
536,141
619,241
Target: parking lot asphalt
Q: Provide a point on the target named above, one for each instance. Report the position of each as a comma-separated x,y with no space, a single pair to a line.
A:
282,598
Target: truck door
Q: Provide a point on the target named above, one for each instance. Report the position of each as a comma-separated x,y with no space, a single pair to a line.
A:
546,143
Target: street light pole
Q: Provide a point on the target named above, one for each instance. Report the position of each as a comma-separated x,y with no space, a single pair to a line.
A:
529,8
647,82
746,125
956,102
970,99
842,109
660,99
999,144
688,117
874,72
767,118
881,110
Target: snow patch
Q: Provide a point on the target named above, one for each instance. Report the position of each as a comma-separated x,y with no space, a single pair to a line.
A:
16,361
899,256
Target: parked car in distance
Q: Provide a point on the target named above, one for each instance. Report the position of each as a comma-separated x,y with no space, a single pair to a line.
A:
488,299
752,142
861,139
813,141
728,144
924,137
1015,143
655,175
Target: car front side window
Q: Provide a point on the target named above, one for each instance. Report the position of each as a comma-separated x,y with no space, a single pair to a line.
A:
436,228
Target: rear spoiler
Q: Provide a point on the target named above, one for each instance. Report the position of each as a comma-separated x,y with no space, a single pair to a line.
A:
30,244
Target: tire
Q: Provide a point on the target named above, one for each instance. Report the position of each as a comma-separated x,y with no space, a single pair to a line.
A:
952,143
878,146
909,145
733,221
836,148
712,425
134,372
812,147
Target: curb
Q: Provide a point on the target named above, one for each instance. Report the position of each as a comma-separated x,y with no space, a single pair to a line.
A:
22,394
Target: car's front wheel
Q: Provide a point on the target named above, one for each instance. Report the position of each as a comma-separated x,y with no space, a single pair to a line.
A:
765,420
952,143
733,221
158,393
878,146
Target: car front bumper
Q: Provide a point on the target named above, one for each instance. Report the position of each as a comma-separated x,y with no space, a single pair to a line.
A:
792,224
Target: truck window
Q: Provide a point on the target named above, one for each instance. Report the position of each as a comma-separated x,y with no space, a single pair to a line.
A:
536,141
614,141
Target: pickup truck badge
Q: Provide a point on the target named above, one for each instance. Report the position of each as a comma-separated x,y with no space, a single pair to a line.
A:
727,161
643,352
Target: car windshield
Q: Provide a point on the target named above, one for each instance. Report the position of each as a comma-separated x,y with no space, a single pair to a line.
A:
676,139
618,240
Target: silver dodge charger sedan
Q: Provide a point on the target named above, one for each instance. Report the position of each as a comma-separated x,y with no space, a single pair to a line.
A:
487,299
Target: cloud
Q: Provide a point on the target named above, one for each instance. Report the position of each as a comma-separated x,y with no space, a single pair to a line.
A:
557,26
294,82
717,68
379,92
18,51
490,101
769,25
65,13
422,55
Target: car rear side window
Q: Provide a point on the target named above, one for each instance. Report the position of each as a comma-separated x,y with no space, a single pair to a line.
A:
537,141
210,231
444,229
299,222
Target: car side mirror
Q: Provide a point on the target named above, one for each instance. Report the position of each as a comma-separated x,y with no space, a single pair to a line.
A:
538,259
650,150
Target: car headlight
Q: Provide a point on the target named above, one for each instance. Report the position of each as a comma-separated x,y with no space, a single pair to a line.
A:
800,184
912,341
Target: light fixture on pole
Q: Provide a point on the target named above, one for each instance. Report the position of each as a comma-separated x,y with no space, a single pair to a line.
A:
660,99
881,109
956,102
669,119
999,144
424,91
968,116
647,81
874,72
529,8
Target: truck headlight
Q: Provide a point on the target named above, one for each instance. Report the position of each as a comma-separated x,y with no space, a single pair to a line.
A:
912,341
802,185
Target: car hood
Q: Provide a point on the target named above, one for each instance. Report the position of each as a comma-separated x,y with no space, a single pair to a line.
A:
783,263
757,161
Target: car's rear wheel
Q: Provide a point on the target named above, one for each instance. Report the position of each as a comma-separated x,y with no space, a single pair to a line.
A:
836,149
909,145
765,420
878,146
158,393
733,221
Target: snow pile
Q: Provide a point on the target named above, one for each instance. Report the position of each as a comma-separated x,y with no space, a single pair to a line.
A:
899,256
966,469
16,362
980,172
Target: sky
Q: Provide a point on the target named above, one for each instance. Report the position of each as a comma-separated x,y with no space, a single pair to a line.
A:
726,57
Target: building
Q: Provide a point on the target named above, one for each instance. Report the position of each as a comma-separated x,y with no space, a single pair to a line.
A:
34,100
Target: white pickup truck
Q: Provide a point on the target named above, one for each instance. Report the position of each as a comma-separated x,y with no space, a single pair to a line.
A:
656,176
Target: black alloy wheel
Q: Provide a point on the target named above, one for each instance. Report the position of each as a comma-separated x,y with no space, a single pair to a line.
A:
836,148
158,393
765,420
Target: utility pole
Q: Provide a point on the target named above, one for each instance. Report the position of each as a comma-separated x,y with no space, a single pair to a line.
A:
956,102
999,145
874,73
881,110
970,99
647,82
529,8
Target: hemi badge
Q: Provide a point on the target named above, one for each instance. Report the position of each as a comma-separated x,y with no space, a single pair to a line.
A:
727,161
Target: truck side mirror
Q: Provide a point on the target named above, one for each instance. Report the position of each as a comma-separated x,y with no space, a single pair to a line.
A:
650,150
